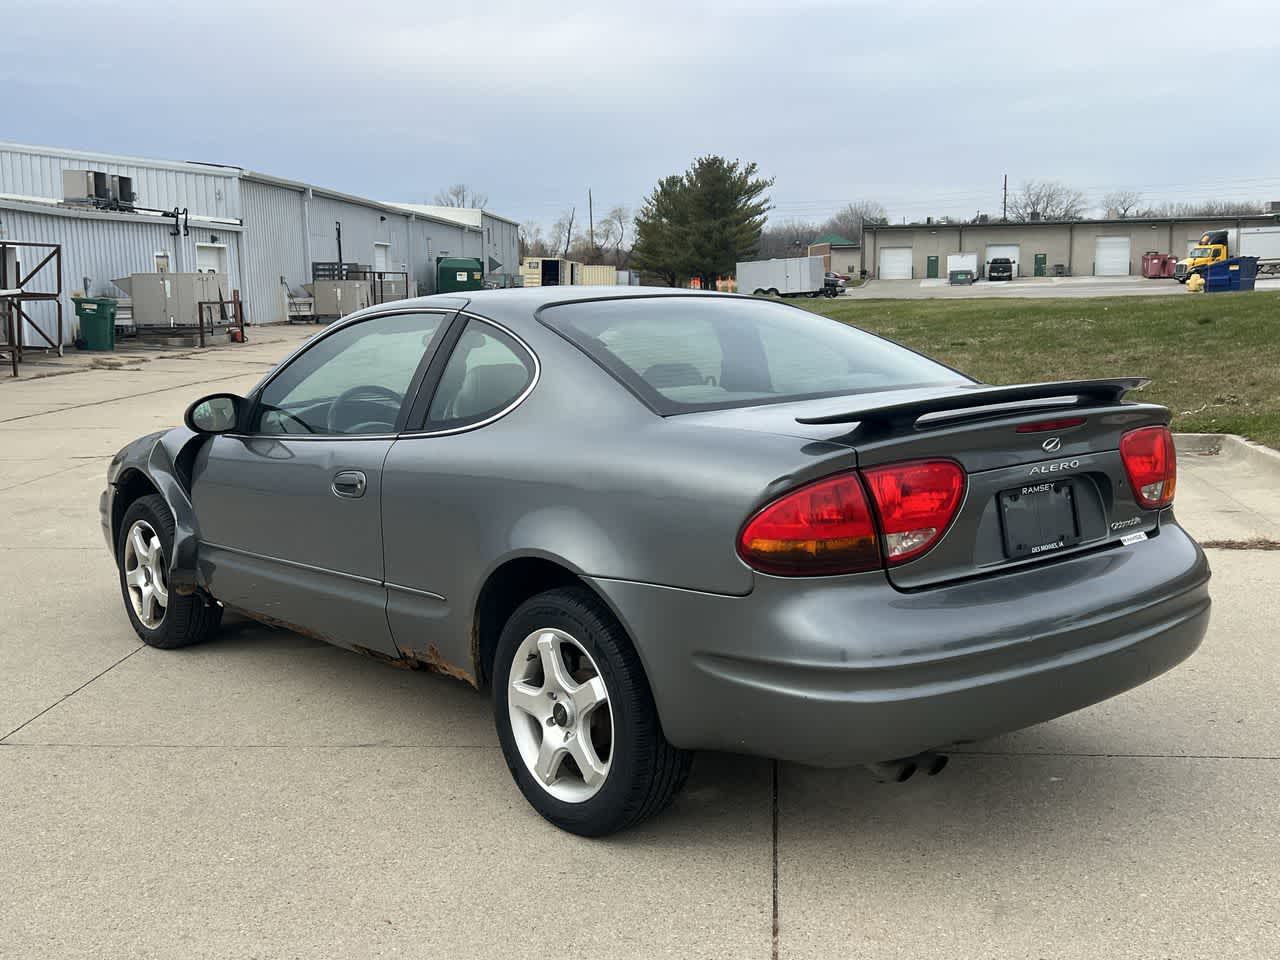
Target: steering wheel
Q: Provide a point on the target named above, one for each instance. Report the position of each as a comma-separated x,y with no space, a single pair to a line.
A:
363,391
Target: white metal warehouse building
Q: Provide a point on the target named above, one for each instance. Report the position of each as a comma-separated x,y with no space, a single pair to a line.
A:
1099,248
263,232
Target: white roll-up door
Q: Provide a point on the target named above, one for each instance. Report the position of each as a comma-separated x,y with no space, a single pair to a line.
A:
1111,257
895,263
1009,250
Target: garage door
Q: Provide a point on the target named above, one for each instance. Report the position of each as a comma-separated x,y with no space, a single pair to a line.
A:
1111,257
895,263
1009,250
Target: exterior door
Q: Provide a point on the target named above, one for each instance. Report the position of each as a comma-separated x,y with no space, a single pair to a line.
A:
290,511
1111,257
1042,264
931,268
1009,250
895,263
211,258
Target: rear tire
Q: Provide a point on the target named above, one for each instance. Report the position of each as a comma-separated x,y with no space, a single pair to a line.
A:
160,618
593,759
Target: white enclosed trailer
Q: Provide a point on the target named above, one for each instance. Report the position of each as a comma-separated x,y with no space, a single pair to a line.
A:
791,277
1263,243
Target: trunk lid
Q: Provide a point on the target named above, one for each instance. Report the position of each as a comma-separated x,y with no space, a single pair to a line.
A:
1030,496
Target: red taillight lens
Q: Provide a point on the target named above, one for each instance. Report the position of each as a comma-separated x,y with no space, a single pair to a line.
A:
916,502
819,529
1042,425
1152,465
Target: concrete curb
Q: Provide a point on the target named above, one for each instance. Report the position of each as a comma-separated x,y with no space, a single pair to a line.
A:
1231,447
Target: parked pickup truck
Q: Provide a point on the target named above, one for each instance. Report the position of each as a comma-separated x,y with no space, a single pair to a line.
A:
1001,268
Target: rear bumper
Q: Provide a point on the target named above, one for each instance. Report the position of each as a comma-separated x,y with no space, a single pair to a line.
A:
847,669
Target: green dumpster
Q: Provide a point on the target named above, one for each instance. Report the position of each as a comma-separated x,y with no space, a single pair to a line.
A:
459,273
97,316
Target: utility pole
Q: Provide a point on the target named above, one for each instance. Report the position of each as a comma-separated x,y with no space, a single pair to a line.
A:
1004,204
591,222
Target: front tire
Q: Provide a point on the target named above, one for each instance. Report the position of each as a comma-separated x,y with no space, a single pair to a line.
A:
159,617
576,718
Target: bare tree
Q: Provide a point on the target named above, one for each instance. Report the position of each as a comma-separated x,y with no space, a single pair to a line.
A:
1121,203
532,243
460,195
790,238
561,234
1046,200
618,219
848,220
1204,208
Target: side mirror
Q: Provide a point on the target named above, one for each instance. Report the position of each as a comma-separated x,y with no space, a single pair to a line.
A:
216,413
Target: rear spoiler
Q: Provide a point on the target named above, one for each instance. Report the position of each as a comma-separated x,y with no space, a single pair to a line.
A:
985,402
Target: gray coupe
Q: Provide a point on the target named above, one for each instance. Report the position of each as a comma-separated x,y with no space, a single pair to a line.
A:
653,522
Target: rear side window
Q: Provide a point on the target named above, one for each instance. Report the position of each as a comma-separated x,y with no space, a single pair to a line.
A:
487,372
683,354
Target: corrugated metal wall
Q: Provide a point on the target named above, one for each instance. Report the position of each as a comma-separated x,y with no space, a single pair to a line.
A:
362,227
432,240
97,249
274,239
211,193
275,233
502,244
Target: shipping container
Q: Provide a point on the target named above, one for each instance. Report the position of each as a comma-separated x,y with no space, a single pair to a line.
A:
597,275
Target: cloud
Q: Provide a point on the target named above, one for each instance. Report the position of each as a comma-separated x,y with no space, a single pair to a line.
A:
921,105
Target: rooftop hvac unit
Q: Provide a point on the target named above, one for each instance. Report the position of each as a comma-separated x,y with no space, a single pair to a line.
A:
99,189
122,190
85,186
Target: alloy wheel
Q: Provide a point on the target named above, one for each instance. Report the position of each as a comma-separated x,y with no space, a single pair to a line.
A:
144,574
560,714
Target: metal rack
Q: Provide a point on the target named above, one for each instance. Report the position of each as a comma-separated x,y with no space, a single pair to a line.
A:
19,289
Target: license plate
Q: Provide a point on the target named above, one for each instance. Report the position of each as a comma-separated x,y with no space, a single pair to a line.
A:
1039,518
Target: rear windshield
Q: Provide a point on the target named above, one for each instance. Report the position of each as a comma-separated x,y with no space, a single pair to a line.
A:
681,354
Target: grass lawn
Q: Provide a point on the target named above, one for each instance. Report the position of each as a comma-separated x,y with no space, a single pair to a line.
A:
1214,359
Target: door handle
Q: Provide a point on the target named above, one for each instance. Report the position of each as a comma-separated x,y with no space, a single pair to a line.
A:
350,484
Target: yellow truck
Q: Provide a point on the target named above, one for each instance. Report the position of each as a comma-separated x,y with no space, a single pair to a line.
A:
1215,245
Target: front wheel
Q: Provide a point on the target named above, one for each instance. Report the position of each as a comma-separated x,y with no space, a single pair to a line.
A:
159,617
576,718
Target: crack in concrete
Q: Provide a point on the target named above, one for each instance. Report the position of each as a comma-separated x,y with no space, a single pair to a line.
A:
56,473
68,696
132,396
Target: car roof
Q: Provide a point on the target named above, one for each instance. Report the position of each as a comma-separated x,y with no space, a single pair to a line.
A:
516,306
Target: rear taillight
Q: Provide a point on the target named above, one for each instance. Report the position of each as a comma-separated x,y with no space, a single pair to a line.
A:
1152,465
818,529
916,502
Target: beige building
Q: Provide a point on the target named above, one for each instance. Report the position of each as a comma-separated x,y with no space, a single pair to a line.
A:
838,253
1104,248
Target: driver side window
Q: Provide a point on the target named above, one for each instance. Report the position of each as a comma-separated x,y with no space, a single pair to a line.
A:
352,382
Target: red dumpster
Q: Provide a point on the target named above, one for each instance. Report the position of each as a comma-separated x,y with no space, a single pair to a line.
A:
1153,265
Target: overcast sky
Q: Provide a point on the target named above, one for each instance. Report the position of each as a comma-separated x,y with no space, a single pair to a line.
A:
922,106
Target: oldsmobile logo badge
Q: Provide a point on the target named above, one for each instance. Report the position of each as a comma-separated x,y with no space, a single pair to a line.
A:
1052,445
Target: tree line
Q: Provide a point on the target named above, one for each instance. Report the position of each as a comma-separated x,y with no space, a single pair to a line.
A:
700,223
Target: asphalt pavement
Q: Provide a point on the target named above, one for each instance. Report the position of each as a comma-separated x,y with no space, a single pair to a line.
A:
266,795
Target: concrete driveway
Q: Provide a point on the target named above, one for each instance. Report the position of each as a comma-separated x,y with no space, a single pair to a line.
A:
269,796
1034,287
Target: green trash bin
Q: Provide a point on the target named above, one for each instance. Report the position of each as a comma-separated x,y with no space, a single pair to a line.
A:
97,316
